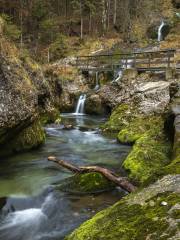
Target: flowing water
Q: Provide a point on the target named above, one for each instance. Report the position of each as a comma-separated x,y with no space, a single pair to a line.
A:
31,207
80,105
97,82
124,66
160,37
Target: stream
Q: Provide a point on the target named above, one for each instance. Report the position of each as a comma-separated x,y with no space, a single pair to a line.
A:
31,208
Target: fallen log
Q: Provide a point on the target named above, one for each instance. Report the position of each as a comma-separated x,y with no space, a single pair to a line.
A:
111,176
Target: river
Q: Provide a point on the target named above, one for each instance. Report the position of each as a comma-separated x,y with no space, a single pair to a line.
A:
31,207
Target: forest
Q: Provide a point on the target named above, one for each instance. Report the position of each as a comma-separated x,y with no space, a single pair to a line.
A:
89,120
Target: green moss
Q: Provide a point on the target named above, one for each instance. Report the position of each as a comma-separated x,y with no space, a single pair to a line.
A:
133,221
30,137
151,150
50,117
119,118
147,158
173,167
86,183
138,126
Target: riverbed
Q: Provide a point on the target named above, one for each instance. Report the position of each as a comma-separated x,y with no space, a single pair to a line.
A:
31,207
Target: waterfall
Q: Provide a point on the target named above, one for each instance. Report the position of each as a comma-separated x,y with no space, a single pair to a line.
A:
97,82
160,37
80,104
124,66
118,76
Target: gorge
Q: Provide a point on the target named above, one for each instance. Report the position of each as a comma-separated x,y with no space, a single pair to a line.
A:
94,84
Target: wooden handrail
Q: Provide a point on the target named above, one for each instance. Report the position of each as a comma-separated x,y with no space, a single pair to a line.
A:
125,54
162,58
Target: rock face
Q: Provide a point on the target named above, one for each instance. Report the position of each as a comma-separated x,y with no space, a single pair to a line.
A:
151,93
175,164
141,118
152,213
25,96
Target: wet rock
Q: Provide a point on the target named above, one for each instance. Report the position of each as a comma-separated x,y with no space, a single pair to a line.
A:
2,202
94,105
68,127
174,166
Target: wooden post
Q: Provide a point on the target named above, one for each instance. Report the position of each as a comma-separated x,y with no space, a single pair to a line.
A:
126,61
87,63
134,60
111,61
149,60
169,59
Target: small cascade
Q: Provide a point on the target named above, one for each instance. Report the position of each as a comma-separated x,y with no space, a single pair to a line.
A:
80,105
118,75
97,82
160,36
124,66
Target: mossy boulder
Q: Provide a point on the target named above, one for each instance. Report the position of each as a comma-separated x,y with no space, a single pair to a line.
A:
86,183
29,138
26,95
147,158
152,213
119,118
151,150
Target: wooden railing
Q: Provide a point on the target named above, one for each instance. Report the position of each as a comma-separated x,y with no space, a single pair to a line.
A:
154,60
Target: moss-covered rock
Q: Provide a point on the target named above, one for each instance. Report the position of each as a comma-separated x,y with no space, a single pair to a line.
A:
151,150
25,96
119,118
148,157
152,213
31,137
86,183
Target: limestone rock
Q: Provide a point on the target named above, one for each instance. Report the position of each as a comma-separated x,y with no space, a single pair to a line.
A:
25,95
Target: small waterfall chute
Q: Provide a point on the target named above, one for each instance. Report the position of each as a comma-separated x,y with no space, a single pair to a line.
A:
80,105
160,36
97,82
124,66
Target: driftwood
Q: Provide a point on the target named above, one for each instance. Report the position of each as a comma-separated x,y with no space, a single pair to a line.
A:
120,181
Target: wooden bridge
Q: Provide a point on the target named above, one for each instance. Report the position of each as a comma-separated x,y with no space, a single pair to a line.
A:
142,61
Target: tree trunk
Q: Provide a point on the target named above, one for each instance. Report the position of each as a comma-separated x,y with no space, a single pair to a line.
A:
82,22
104,22
115,13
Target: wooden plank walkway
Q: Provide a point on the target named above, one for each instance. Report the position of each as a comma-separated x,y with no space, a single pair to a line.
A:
142,61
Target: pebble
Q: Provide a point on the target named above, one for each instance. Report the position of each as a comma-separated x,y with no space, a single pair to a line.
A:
164,203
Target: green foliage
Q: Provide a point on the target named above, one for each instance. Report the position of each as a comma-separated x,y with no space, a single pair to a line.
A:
11,30
40,9
59,48
48,30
